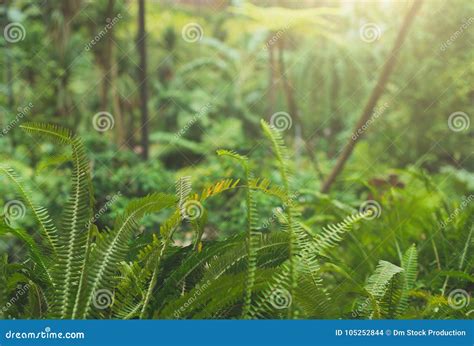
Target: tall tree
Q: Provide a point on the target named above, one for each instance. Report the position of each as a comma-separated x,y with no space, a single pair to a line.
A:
375,95
141,45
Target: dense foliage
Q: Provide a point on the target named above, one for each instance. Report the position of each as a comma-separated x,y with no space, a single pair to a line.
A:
224,217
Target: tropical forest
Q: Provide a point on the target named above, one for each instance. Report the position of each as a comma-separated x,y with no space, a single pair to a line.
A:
237,159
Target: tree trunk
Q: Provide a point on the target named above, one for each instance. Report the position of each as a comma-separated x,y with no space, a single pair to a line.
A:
141,45
300,136
271,78
374,97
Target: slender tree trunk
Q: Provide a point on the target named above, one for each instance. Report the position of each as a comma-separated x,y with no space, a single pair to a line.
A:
374,97
118,114
9,77
271,79
141,45
293,107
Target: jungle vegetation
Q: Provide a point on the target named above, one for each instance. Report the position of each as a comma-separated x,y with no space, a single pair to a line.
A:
236,160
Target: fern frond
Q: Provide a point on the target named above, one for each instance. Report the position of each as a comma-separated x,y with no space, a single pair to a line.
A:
410,266
378,282
294,228
265,185
41,215
332,234
216,188
232,154
74,238
131,293
73,241
158,249
49,131
252,235
280,150
109,252
35,251
183,189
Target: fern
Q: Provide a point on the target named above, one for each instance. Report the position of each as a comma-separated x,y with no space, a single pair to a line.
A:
183,189
281,154
332,234
378,283
34,250
47,228
409,265
73,240
252,235
109,252
245,275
